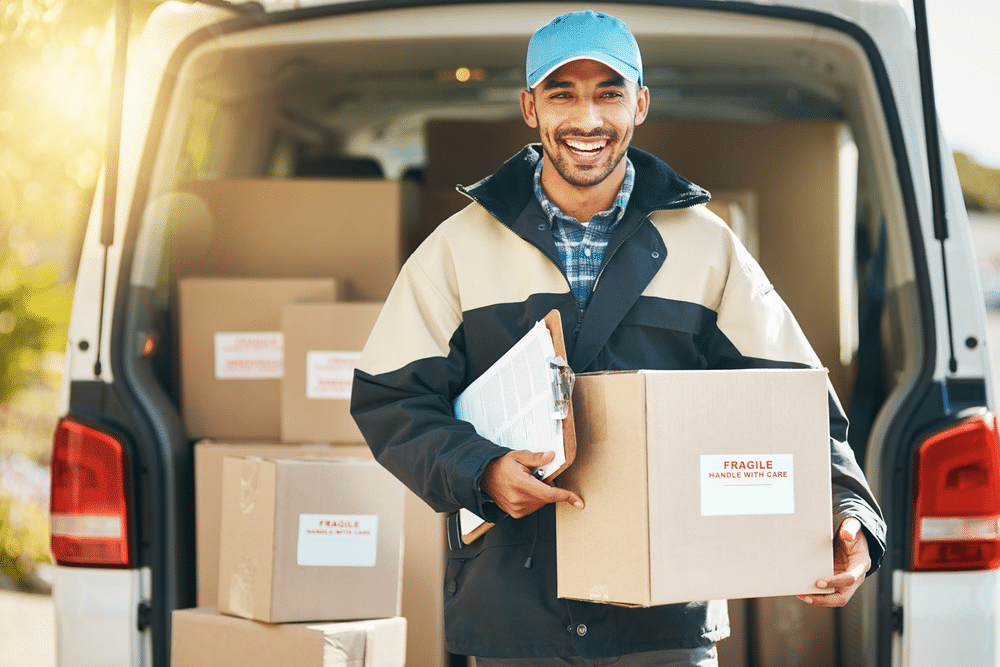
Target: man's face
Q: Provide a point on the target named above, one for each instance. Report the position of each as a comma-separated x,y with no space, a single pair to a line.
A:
585,113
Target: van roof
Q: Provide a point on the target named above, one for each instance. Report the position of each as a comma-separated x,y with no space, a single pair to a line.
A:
841,7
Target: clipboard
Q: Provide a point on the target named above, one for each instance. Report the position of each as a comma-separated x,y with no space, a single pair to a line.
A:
561,379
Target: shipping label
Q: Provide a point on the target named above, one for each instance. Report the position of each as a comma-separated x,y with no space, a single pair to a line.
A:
337,540
737,484
329,374
249,355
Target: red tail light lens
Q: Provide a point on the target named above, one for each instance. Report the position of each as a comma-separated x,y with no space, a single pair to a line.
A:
957,509
89,507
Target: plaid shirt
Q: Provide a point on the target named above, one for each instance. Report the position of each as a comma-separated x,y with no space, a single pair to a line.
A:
581,245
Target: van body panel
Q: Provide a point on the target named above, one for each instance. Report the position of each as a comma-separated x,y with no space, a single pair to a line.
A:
96,617
942,611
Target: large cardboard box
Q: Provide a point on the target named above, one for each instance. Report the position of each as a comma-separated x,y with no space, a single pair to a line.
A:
310,540
698,485
203,637
323,342
361,230
231,351
424,541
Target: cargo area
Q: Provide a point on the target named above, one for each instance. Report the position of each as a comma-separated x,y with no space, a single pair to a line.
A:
301,162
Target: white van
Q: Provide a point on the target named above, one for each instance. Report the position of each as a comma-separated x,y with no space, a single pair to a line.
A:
250,130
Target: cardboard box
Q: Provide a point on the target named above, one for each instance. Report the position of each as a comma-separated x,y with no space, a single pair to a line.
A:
310,540
437,204
738,208
205,638
361,230
231,352
323,342
457,154
698,485
424,541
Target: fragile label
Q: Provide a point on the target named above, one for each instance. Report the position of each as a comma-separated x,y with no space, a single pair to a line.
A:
339,540
250,355
735,484
329,374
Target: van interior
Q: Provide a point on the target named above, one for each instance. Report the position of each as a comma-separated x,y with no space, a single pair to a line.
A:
333,146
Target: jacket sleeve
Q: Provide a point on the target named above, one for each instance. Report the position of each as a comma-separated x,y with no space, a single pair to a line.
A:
755,321
409,373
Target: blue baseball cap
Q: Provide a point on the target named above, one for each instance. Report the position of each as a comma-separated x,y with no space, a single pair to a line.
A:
583,36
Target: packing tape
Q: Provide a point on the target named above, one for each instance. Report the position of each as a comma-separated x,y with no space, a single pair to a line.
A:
241,588
249,471
346,648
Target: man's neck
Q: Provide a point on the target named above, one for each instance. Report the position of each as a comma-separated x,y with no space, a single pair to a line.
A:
582,202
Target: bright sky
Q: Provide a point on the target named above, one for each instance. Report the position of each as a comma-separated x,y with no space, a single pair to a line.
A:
965,51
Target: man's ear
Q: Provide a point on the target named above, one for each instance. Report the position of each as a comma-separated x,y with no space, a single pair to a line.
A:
528,108
642,105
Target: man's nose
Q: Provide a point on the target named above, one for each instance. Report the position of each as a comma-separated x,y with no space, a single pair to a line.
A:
587,116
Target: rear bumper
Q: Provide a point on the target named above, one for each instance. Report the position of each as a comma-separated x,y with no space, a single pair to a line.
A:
949,618
96,617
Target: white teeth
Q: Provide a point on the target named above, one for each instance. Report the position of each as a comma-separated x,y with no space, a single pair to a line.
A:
590,147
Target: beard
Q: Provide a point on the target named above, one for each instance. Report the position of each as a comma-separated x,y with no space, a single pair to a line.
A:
587,174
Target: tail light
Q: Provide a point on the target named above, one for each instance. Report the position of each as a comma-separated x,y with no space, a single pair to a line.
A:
89,507
957,499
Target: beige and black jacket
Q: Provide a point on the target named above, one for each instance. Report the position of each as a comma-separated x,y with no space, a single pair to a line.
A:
676,291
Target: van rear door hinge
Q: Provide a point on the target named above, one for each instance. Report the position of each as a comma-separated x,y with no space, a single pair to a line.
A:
897,618
142,615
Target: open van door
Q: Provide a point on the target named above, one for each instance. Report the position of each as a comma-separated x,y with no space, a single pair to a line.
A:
937,471
120,502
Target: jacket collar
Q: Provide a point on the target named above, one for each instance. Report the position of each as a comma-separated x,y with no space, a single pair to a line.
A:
509,190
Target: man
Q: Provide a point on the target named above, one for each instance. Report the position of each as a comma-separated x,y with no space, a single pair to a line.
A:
487,274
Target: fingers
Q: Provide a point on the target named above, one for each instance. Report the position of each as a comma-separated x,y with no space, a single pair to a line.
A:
509,482
851,563
842,589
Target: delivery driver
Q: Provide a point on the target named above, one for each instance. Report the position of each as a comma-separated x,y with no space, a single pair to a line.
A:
645,277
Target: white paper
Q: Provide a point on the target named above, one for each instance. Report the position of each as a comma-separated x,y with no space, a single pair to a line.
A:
340,540
329,374
740,484
512,403
249,355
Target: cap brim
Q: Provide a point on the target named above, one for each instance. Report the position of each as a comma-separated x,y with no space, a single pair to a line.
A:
627,72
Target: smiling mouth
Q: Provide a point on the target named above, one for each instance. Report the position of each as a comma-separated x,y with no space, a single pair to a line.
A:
586,147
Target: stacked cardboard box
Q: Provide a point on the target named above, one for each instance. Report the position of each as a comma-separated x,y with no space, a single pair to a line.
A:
315,540
423,538
205,638
309,540
322,344
267,352
232,352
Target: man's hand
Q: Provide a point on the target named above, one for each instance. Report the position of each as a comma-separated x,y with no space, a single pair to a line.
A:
851,562
509,482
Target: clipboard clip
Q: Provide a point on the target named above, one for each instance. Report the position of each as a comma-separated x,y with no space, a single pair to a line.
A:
563,379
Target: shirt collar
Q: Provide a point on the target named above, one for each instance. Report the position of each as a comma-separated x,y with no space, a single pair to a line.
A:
613,214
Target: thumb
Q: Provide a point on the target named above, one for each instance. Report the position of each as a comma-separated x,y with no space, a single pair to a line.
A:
531,459
849,531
